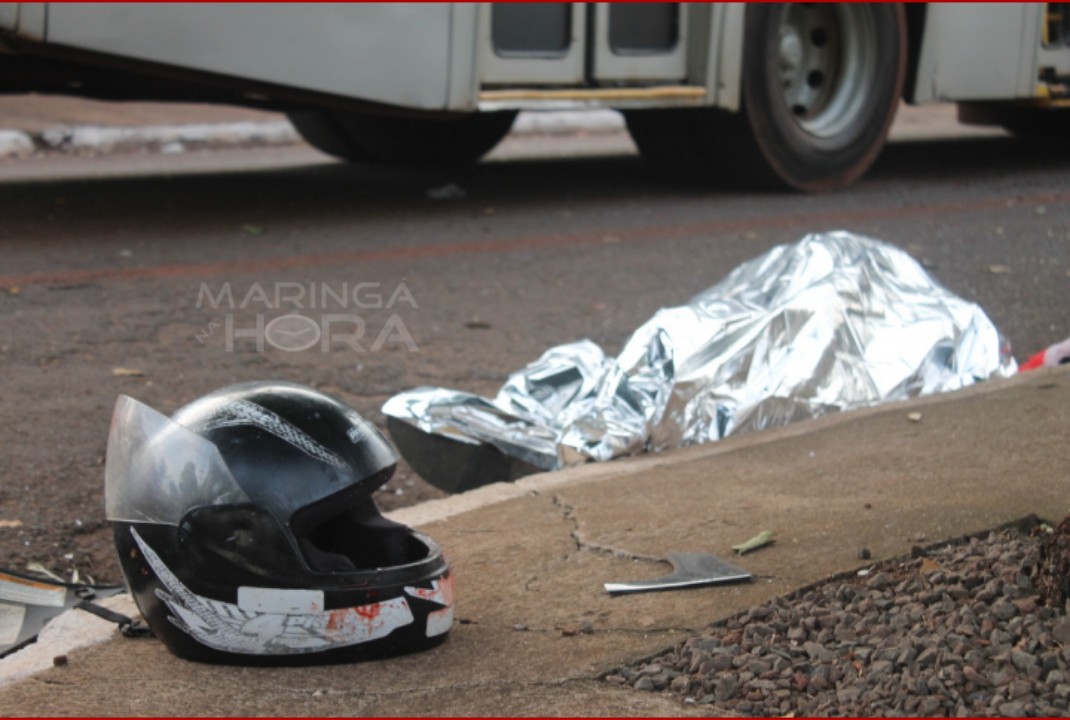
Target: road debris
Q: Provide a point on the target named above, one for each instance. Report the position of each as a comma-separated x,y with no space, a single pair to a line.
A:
30,600
127,372
690,569
914,417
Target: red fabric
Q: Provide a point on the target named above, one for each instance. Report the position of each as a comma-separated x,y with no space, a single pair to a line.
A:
1034,362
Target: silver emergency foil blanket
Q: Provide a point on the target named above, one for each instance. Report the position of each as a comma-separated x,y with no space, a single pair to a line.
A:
833,322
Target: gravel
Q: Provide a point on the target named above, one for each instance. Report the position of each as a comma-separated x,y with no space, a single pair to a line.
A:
958,631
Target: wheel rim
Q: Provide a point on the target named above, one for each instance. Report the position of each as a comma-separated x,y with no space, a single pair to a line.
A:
826,62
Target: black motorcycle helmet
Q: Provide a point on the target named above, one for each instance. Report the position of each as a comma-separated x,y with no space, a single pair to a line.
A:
247,533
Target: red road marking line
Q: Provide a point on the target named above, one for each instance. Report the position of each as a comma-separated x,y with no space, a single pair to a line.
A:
820,220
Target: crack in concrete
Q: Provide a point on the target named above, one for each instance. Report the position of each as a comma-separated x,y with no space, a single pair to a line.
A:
568,513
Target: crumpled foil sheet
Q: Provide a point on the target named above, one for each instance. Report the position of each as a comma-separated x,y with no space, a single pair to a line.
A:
833,322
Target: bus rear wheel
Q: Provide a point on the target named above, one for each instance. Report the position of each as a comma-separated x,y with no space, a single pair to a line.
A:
819,89
408,140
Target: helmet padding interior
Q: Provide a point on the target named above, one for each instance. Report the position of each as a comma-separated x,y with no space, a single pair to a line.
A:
359,538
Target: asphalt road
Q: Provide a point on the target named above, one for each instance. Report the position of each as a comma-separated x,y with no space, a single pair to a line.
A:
114,274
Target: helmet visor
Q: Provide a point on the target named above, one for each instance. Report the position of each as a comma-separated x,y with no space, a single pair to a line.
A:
156,469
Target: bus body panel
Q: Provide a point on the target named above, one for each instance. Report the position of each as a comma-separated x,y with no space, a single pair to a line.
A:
26,19
442,56
389,53
978,51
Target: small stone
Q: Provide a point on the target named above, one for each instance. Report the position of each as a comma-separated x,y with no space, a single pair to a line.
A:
1025,605
644,683
864,553
1003,610
59,661
1019,688
1012,709
520,627
1023,660
977,678
721,661
726,689
927,657
1061,631
615,679
848,694
680,684
879,670
929,706
759,667
819,652
906,657
661,680
879,581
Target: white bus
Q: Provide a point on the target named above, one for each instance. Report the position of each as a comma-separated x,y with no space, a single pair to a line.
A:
796,95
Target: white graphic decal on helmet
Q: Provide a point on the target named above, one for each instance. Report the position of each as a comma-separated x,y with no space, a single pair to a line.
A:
243,412
439,622
230,628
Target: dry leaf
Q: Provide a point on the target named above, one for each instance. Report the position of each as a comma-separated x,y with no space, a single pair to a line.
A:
928,565
760,540
127,372
10,523
13,291
999,269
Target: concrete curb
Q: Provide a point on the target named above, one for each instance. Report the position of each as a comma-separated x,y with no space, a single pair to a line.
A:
15,143
96,139
73,630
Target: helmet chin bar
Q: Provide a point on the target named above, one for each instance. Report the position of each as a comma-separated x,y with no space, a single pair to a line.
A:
284,621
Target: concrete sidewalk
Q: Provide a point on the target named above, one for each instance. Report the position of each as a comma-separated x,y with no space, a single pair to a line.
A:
534,555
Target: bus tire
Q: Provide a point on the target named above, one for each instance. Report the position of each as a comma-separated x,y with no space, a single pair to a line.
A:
819,90
406,140
666,139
